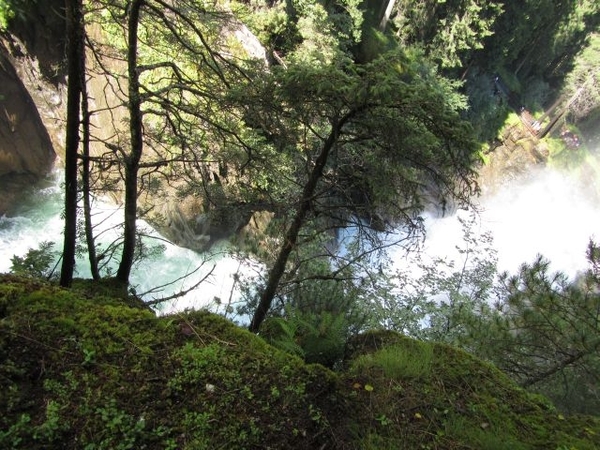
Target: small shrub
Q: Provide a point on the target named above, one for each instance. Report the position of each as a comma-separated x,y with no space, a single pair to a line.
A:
37,263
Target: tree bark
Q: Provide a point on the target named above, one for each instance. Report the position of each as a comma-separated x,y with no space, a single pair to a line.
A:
132,160
86,176
74,18
85,164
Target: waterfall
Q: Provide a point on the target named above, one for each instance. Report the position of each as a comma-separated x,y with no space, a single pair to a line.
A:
547,211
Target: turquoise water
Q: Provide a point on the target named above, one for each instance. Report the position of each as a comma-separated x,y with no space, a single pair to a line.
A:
37,218
546,213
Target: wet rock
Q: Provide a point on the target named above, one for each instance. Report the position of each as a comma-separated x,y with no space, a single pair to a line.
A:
26,150
516,154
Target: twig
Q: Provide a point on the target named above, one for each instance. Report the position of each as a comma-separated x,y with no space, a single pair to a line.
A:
180,293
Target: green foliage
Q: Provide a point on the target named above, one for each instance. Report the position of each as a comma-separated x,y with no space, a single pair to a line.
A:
318,337
37,263
583,82
16,9
445,401
6,13
116,377
273,26
463,29
117,429
321,313
383,131
305,30
450,30
488,108
538,326
283,333
438,299
545,333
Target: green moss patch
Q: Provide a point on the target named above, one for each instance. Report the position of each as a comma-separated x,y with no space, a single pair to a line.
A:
424,395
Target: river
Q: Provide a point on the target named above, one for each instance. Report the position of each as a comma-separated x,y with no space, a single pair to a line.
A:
37,219
544,212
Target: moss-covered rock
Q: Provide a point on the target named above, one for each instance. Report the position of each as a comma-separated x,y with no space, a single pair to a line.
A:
423,395
85,371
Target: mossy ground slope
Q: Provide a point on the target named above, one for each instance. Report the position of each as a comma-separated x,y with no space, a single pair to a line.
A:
82,370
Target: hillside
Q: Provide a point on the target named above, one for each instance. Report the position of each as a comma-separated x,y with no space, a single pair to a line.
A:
82,370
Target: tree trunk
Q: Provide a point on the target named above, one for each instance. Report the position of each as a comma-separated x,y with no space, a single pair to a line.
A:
132,160
86,175
291,237
385,14
73,10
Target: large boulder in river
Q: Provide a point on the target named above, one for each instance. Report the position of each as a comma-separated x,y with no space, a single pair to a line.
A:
189,223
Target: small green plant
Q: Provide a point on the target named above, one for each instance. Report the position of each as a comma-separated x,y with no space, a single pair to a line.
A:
481,434
88,356
6,13
315,414
50,429
37,262
120,430
194,363
383,420
13,437
412,359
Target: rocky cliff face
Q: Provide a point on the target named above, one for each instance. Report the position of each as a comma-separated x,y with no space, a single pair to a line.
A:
517,153
26,146
32,98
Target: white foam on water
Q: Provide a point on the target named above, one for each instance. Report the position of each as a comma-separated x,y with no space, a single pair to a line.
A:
548,213
38,219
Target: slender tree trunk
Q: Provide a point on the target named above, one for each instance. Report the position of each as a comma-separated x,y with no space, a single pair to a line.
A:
132,160
85,165
86,175
532,48
386,13
562,112
551,109
291,237
551,125
73,10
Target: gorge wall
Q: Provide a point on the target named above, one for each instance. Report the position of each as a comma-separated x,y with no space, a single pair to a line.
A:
32,98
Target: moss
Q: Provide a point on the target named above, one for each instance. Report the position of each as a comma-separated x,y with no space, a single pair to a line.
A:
461,403
84,371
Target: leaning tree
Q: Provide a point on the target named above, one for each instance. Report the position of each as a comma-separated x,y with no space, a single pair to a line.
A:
368,144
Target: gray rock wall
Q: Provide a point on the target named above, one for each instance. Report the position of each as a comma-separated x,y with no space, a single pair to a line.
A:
26,148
